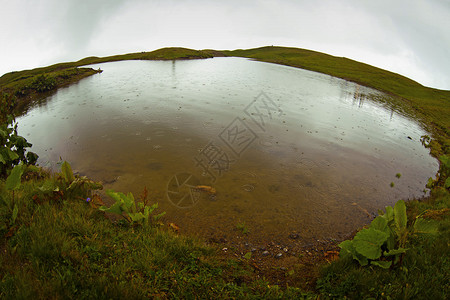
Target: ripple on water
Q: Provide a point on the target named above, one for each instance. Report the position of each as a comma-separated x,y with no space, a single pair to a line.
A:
248,187
308,163
248,177
265,143
333,187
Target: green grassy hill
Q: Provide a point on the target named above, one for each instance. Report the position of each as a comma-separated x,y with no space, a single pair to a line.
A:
160,54
55,242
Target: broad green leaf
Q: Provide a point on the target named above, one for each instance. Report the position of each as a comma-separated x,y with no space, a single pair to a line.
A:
129,202
445,160
400,215
395,252
363,261
426,226
14,214
20,142
248,255
48,186
430,183
368,242
3,134
12,155
389,215
447,183
390,242
382,264
118,196
115,208
2,160
67,172
348,250
136,217
13,180
32,168
380,223
32,157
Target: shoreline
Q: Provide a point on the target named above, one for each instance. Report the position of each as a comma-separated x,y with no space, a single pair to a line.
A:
264,266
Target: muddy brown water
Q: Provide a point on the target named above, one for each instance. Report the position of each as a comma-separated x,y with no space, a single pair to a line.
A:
296,156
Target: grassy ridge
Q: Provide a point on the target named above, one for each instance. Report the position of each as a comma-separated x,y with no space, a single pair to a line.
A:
160,54
56,244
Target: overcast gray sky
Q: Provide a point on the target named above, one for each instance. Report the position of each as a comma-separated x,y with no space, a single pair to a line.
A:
410,37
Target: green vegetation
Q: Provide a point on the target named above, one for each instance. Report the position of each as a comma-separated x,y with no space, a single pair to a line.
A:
160,54
57,243
12,147
421,273
134,212
382,243
242,228
58,238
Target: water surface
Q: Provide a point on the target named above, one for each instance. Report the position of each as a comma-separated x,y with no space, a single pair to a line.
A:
287,150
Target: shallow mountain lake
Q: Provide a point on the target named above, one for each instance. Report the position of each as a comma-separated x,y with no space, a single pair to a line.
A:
294,156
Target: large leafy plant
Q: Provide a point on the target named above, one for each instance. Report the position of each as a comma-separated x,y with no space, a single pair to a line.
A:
7,104
135,212
13,183
445,170
68,185
383,242
444,174
13,147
